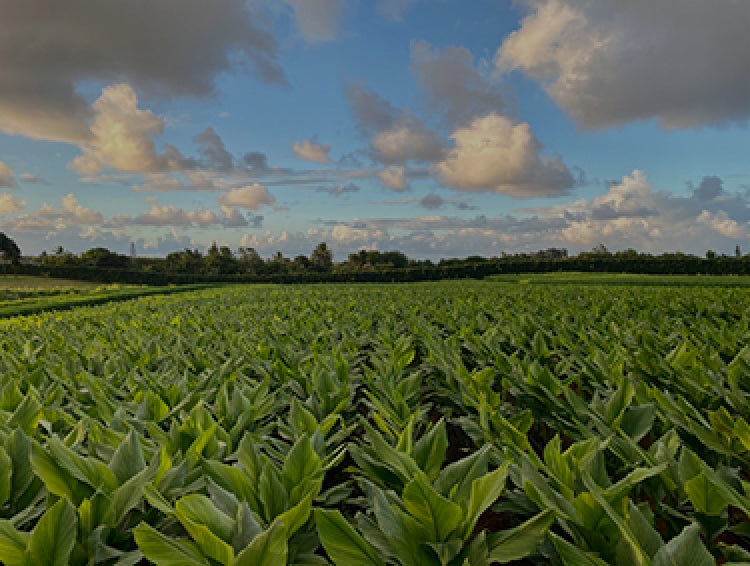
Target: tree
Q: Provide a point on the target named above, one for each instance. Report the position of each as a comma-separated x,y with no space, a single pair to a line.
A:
102,257
737,252
322,258
9,249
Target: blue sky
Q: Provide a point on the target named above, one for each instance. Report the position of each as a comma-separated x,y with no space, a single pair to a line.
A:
442,128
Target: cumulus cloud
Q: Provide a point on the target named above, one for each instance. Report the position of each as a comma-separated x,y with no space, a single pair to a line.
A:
317,20
451,85
610,62
372,112
312,151
721,223
7,178
407,141
122,136
495,155
399,136
394,178
9,204
47,48
71,212
232,217
162,245
252,197
633,214
168,215
708,189
213,152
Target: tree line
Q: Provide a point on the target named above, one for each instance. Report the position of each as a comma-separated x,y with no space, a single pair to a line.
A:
220,263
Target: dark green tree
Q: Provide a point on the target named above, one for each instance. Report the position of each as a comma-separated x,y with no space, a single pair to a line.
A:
322,258
9,249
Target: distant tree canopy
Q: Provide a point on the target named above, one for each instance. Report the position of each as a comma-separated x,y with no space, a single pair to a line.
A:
9,248
102,257
220,263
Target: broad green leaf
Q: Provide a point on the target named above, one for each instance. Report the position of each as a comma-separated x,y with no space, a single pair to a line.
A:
573,556
19,451
165,551
208,527
704,495
87,470
447,551
429,451
639,557
54,536
128,459
246,528
520,541
301,419
233,480
157,500
57,480
12,544
95,512
434,511
26,415
267,549
742,431
6,472
298,515
456,478
484,492
686,549
342,543
272,494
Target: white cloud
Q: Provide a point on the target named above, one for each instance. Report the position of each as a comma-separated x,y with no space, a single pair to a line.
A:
394,178
233,217
47,51
252,197
122,136
399,136
7,178
168,215
610,62
9,204
721,223
451,84
312,151
633,215
318,20
71,212
407,141
495,155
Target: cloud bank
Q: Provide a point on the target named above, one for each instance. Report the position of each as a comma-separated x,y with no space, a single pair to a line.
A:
610,62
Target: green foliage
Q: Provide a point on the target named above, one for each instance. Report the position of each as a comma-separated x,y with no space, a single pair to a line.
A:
428,425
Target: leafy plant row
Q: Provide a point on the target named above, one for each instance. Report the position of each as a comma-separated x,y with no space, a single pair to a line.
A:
450,424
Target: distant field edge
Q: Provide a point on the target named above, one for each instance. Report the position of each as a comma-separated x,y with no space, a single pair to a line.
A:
96,297
619,279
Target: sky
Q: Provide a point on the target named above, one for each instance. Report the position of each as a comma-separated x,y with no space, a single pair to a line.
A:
440,128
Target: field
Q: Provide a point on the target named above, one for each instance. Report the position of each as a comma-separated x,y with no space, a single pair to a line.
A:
467,423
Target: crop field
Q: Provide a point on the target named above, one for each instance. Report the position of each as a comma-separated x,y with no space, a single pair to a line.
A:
437,424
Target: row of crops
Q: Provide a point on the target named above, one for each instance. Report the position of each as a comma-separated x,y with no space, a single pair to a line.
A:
443,424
